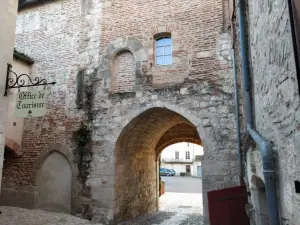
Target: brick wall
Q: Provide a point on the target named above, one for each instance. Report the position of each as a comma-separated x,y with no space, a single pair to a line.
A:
123,73
194,27
62,38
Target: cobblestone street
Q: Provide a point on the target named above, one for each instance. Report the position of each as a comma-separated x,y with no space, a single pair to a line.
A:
166,218
19,216
175,209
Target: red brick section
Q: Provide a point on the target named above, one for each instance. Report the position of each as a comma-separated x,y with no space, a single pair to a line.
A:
14,146
55,127
239,69
194,27
123,73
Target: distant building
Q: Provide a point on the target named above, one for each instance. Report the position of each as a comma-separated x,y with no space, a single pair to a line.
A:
183,158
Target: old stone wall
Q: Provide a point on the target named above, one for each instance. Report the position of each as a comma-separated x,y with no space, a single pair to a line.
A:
198,86
8,11
128,122
276,100
63,38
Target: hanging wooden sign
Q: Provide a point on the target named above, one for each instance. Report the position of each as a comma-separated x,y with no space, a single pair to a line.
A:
30,103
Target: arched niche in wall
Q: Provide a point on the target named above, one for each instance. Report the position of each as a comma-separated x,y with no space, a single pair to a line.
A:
55,177
55,184
128,53
122,72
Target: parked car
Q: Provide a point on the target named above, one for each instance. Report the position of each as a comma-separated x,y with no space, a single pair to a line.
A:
173,172
165,172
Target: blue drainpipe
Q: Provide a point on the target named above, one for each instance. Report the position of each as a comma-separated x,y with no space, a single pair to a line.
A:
237,113
265,149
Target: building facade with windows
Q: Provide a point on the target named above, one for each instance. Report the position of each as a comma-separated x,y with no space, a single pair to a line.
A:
183,158
140,76
132,77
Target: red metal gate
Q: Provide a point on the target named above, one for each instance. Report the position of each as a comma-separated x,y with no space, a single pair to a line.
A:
227,206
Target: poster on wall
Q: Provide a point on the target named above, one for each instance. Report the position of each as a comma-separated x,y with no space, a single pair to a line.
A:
30,103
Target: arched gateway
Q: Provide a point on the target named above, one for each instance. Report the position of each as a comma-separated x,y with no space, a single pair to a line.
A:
136,154
124,169
135,107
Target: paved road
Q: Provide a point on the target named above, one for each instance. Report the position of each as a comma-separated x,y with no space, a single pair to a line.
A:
182,184
19,216
166,218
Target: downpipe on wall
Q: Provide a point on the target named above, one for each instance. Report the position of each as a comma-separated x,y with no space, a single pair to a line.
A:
265,149
237,113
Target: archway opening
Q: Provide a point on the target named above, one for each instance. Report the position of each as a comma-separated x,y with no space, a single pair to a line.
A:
137,159
181,179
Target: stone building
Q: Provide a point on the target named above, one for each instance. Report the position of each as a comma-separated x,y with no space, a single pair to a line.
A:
139,75
8,12
273,62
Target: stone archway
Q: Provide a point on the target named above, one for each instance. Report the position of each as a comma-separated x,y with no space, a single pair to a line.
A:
136,151
179,133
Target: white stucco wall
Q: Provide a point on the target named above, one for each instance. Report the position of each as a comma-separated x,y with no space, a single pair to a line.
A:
14,132
8,12
195,165
169,161
169,152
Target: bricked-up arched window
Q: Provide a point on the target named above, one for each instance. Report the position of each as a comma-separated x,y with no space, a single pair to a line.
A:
163,50
123,72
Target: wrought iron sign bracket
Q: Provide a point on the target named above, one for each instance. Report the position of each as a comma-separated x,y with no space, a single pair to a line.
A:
19,81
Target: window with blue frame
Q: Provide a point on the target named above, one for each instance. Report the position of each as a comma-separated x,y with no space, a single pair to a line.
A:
163,54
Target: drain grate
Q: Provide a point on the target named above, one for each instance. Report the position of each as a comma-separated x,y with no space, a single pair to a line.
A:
185,206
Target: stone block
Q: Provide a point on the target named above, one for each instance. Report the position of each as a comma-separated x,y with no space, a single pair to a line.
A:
205,54
23,199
